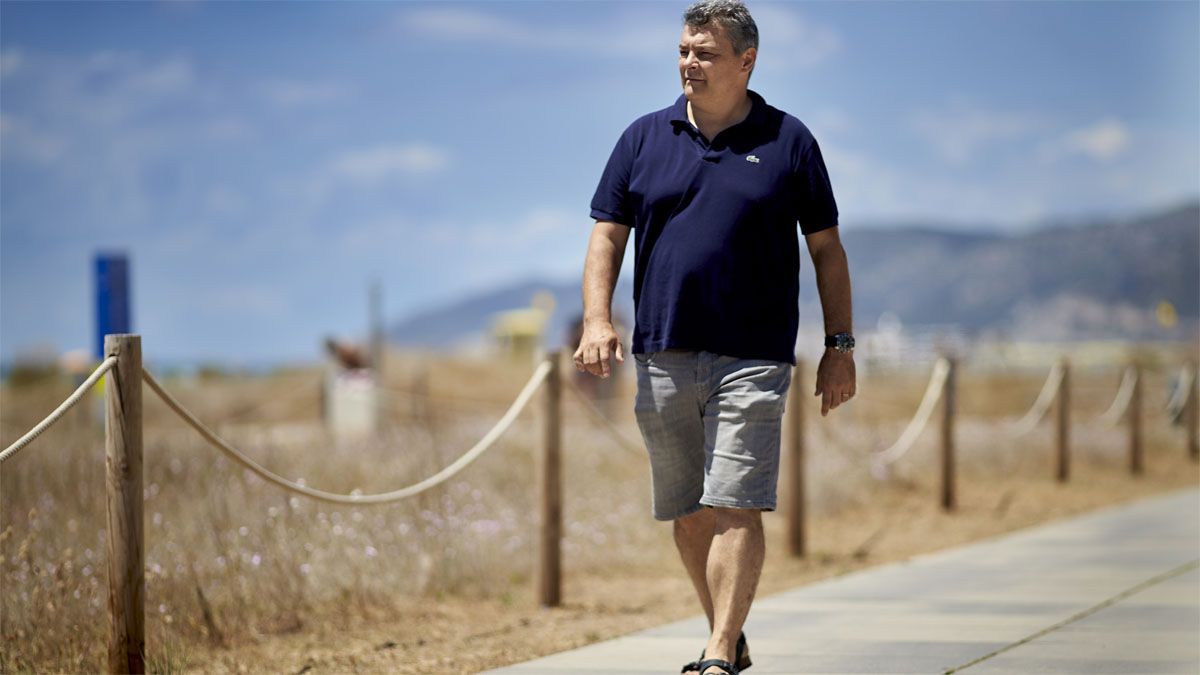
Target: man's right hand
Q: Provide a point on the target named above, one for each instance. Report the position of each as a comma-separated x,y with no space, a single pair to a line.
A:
599,343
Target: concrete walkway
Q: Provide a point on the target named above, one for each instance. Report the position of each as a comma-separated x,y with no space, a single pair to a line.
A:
1113,591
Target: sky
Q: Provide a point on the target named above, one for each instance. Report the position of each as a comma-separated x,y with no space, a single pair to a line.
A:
261,163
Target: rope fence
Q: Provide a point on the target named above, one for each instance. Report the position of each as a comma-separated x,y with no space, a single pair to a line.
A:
941,368
1120,404
61,410
123,443
618,437
442,476
1045,398
1179,396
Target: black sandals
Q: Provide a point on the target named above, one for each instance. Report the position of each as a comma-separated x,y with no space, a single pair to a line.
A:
742,657
725,665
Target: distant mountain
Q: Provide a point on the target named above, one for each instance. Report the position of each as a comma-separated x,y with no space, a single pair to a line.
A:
468,321
1096,280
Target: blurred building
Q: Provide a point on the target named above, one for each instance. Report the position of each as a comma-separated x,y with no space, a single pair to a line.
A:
517,333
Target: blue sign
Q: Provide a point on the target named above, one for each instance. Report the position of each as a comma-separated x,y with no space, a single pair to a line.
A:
112,297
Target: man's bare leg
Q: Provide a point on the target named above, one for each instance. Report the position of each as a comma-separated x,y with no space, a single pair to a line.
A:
735,562
693,537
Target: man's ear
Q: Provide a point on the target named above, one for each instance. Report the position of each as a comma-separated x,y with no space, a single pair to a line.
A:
748,59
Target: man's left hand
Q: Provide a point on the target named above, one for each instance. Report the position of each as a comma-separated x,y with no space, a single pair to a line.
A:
835,379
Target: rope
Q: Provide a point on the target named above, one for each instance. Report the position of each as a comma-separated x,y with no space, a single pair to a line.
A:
539,375
1179,397
932,393
61,410
1121,403
617,435
1041,405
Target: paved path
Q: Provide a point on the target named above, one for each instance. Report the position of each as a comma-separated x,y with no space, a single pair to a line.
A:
1113,591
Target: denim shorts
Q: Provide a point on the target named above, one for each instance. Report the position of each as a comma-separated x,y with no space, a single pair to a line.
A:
711,425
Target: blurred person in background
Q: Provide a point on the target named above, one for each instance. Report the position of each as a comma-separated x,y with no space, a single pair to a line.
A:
714,186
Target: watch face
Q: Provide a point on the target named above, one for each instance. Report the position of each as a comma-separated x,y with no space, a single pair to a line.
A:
840,341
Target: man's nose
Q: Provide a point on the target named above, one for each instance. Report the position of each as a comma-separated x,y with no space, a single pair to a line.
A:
690,60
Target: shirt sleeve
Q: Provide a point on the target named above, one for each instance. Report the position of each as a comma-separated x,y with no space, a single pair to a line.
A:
611,201
816,208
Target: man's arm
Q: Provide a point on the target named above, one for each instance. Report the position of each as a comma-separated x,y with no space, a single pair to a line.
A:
833,279
600,342
835,374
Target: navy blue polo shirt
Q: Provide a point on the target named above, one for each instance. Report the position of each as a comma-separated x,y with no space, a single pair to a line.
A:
717,262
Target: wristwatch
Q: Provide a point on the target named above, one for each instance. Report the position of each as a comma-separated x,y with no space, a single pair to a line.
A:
843,342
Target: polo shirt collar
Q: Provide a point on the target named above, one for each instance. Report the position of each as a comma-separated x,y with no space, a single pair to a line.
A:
758,110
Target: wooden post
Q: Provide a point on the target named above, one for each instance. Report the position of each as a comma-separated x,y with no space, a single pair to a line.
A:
1191,411
1064,423
550,557
123,448
1136,450
375,328
949,499
794,445
418,403
375,303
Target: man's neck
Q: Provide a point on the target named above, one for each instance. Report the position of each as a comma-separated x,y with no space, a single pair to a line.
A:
718,116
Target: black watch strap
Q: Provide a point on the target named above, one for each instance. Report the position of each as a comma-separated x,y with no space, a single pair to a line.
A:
842,342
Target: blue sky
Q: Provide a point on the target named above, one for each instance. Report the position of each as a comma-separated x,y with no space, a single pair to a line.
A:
261,162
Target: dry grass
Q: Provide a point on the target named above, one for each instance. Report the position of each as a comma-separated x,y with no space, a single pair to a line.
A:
243,577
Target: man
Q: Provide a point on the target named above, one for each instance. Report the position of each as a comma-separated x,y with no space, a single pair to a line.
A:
714,186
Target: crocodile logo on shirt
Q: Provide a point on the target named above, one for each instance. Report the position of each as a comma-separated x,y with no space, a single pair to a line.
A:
752,159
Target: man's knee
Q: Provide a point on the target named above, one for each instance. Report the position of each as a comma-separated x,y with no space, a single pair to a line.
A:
695,523
725,518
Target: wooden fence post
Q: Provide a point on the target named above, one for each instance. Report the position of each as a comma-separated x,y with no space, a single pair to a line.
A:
550,557
1136,449
1191,411
794,445
123,449
949,499
1064,423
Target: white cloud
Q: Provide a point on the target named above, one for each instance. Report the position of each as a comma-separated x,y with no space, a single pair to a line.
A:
515,234
633,33
830,121
1102,141
27,141
786,37
10,62
111,125
134,77
464,24
228,128
243,300
294,93
223,200
960,131
109,88
372,165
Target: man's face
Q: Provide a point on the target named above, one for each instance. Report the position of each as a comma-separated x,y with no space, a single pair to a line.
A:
708,66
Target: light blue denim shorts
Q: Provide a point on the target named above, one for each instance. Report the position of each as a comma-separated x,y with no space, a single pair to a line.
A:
711,425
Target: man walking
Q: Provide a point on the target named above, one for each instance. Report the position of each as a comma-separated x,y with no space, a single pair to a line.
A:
714,186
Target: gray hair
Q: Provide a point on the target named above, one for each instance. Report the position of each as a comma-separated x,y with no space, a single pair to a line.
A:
732,15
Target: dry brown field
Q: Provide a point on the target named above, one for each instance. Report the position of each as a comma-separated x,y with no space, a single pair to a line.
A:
243,577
